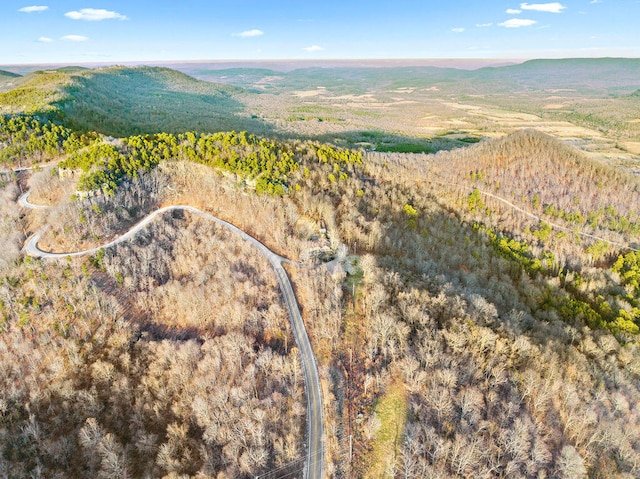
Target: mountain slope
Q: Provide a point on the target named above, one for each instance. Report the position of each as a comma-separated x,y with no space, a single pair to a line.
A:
37,92
540,190
8,80
450,345
124,101
4,73
7,77
121,101
535,169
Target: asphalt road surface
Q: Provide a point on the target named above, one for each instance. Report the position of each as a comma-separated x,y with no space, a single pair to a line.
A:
314,467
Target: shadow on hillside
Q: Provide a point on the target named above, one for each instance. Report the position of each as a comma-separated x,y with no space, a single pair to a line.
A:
442,254
138,318
385,142
153,331
134,103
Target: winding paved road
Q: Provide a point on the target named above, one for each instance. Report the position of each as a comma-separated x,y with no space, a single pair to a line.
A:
314,467
24,202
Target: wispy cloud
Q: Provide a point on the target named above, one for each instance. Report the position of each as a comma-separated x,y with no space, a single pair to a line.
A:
74,38
595,1
45,40
513,11
517,23
249,33
484,25
555,7
94,15
314,48
457,30
33,8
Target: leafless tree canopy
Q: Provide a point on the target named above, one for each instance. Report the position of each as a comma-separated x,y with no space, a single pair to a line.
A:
491,292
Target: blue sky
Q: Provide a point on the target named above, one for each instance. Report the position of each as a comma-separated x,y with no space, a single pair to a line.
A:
70,31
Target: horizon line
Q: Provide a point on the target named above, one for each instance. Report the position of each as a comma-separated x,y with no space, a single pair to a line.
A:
319,60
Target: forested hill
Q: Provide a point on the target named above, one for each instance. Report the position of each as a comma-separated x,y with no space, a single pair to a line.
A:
543,175
122,101
5,74
8,80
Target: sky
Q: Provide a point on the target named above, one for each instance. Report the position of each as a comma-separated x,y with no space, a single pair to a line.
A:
85,31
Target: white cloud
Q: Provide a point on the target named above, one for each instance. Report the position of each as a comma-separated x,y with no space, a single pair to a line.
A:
555,7
517,23
457,30
513,11
45,39
33,8
314,48
74,38
595,1
249,33
94,15
484,25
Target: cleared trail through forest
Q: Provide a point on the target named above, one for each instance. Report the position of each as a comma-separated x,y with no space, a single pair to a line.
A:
555,225
314,467
539,218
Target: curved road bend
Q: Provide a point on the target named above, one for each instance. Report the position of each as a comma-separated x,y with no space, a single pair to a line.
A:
314,468
24,201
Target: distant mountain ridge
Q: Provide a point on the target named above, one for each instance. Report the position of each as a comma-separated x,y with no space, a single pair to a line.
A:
613,75
7,79
123,100
4,73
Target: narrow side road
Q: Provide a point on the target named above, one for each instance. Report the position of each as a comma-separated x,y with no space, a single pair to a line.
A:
555,225
538,218
314,467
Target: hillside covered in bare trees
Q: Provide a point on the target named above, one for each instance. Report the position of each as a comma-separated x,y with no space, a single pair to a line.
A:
474,312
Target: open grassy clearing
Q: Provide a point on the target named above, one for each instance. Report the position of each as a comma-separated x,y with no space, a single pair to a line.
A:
387,427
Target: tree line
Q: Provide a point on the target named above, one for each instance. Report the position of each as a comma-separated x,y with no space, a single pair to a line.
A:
268,165
26,140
